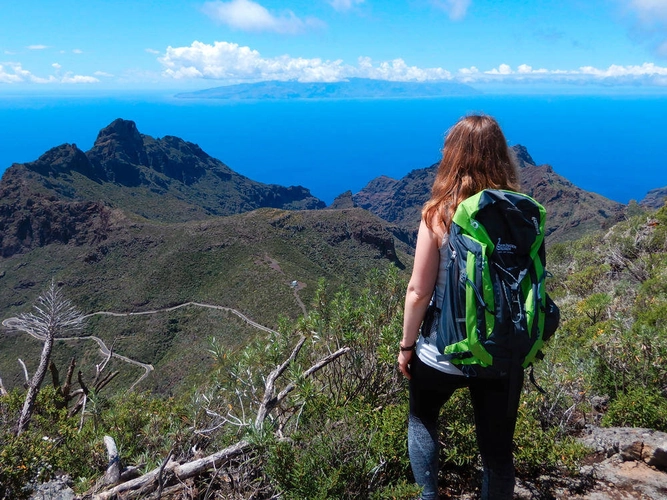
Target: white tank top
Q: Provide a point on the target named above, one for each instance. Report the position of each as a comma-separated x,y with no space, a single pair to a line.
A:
426,347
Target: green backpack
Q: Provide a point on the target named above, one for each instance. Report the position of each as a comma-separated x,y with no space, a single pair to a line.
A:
495,313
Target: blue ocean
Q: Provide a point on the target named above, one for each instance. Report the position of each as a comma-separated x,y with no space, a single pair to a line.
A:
613,145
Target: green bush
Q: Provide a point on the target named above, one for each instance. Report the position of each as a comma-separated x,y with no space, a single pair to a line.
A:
346,452
540,447
144,428
638,407
51,443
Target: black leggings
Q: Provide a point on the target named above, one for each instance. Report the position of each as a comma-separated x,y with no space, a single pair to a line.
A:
495,406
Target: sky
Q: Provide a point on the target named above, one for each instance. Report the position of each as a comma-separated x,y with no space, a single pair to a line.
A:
72,45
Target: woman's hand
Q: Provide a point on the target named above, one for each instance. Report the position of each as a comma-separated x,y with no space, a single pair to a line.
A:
404,358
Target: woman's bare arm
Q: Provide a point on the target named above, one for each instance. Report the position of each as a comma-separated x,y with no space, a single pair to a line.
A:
420,289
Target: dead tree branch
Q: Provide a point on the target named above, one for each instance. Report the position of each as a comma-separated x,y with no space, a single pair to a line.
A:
25,372
269,401
112,474
148,482
171,472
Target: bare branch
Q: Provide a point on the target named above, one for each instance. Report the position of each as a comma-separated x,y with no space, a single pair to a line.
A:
181,472
152,481
267,404
100,368
68,380
160,477
25,371
105,381
317,366
83,410
83,397
79,377
55,376
112,474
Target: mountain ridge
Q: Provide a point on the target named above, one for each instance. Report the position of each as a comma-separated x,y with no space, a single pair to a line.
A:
167,179
352,88
571,211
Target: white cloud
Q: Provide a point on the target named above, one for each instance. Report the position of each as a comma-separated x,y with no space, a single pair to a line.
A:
72,78
616,71
6,77
397,70
456,9
14,73
343,5
77,51
152,51
231,62
247,15
647,73
37,47
102,74
649,10
503,69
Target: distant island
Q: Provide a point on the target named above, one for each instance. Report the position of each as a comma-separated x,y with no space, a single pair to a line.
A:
354,88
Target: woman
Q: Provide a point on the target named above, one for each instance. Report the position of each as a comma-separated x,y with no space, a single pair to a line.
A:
475,157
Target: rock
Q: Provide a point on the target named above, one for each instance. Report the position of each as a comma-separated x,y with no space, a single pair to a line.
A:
344,201
633,444
626,464
635,467
655,198
56,489
659,457
522,156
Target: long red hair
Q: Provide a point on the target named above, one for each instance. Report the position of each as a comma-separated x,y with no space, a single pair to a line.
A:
475,157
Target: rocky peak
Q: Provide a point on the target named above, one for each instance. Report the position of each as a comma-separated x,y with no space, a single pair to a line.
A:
62,160
117,151
121,132
168,179
344,201
522,155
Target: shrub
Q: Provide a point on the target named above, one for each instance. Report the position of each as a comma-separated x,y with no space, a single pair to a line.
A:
638,407
145,428
542,448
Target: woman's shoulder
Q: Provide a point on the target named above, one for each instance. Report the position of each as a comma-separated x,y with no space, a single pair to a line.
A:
436,229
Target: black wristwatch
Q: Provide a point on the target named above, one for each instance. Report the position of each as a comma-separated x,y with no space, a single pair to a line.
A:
408,347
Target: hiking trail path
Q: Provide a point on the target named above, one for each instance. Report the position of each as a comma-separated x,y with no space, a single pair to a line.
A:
148,368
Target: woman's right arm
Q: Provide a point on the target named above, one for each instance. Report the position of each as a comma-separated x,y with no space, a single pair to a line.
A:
420,290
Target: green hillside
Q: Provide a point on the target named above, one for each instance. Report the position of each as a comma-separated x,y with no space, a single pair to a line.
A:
247,262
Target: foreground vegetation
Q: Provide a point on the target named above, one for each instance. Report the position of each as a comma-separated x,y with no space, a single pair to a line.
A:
340,431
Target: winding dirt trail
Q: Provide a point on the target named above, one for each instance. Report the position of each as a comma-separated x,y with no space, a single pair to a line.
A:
148,368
